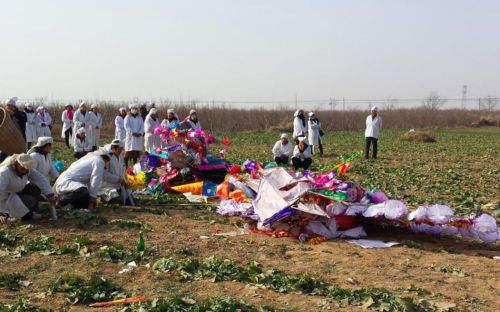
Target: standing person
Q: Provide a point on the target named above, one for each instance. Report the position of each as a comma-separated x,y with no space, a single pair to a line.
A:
20,188
314,131
282,150
41,154
120,124
373,126
302,154
299,124
79,185
151,140
18,117
81,144
31,135
193,121
171,121
82,119
44,122
144,110
96,126
67,127
134,129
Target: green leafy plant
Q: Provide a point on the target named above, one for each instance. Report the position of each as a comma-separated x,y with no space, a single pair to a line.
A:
12,281
21,306
9,238
116,253
79,290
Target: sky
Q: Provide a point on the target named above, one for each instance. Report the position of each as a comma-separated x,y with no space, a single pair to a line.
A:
249,50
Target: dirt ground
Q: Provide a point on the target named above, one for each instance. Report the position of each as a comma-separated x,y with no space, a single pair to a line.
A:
175,234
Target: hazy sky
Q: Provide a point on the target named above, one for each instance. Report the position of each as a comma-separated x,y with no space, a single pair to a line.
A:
248,50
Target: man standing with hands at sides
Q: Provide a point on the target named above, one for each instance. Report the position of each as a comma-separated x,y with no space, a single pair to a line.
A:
134,130
373,126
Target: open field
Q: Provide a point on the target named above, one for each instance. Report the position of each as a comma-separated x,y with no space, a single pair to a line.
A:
424,274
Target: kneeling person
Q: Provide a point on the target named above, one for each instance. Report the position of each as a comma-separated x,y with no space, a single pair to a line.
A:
114,178
282,150
41,153
302,154
20,187
79,185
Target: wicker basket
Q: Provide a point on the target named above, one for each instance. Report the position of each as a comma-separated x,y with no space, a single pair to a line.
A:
11,138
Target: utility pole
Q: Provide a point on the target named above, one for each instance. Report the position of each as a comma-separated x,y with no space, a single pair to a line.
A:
464,96
296,107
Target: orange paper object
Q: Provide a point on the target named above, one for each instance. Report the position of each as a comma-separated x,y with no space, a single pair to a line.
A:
195,188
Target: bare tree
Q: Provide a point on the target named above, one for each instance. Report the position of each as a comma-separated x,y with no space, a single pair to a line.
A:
433,101
391,104
490,103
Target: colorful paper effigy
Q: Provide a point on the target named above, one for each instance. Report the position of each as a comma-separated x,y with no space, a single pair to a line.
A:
317,206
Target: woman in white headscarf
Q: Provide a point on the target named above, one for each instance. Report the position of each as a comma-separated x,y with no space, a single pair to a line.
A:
134,128
151,140
44,122
82,119
314,131
299,124
41,152
96,126
119,124
67,127
193,121
171,121
31,135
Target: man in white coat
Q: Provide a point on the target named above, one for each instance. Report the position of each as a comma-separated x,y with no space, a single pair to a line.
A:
314,128
134,129
114,178
120,124
372,132
41,153
31,123
96,126
44,122
21,187
299,124
79,185
282,150
67,127
151,140
82,119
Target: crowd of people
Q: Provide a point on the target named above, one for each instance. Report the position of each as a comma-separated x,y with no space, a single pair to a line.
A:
25,179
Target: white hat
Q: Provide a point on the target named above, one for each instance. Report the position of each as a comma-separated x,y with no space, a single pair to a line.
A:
68,105
25,160
116,142
297,112
11,101
28,105
191,112
40,108
93,106
170,110
374,109
122,109
311,114
284,136
301,138
81,131
133,106
83,104
153,111
42,141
